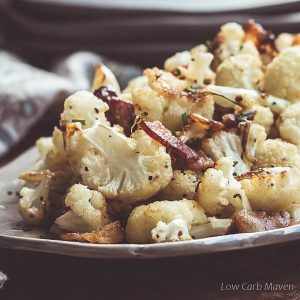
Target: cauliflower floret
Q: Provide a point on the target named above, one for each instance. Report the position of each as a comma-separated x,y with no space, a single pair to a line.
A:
219,193
240,71
263,116
228,144
105,77
178,59
129,169
198,69
144,218
284,40
282,77
182,185
34,205
89,210
84,108
288,124
175,231
276,153
272,189
53,156
193,65
230,37
159,94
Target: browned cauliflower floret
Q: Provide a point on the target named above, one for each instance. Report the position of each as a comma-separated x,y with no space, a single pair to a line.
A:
272,189
88,210
159,93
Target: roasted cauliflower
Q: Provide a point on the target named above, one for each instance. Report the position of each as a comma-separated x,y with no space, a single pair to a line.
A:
182,185
282,76
143,219
219,193
288,124
88,210
240,71
85,109
272,189
159,93
139,171
209,145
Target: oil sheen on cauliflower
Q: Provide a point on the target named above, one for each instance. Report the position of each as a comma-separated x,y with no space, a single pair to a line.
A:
159,94
288,124
272,189
282,77
182,185
240,71
88,210
143,219
219,193
128,169
84,108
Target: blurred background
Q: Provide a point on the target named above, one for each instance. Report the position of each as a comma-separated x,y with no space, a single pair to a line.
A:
49,48
142,32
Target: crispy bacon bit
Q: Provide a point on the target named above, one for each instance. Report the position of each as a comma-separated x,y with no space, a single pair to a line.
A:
183,157
263,40
120,112
109,234
255,221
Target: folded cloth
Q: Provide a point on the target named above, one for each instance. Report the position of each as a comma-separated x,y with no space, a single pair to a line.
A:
3,279
27,92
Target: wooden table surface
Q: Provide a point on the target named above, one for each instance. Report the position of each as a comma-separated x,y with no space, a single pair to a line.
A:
37,276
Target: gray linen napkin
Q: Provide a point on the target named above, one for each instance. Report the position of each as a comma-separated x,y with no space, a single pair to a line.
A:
27,92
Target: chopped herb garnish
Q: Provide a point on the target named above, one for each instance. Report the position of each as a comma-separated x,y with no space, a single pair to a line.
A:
184,119
9,193
78,121
193,89
206,81
208,44
234,174
243,116
235,163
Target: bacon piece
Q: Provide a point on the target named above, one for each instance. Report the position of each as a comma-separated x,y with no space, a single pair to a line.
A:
183,157
263,40
256,221
120,112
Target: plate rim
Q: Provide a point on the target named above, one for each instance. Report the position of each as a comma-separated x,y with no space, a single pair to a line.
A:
207,245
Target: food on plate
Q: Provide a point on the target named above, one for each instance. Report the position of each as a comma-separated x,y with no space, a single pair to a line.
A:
208,145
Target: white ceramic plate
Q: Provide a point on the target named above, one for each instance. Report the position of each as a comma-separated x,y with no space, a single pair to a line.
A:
13,236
